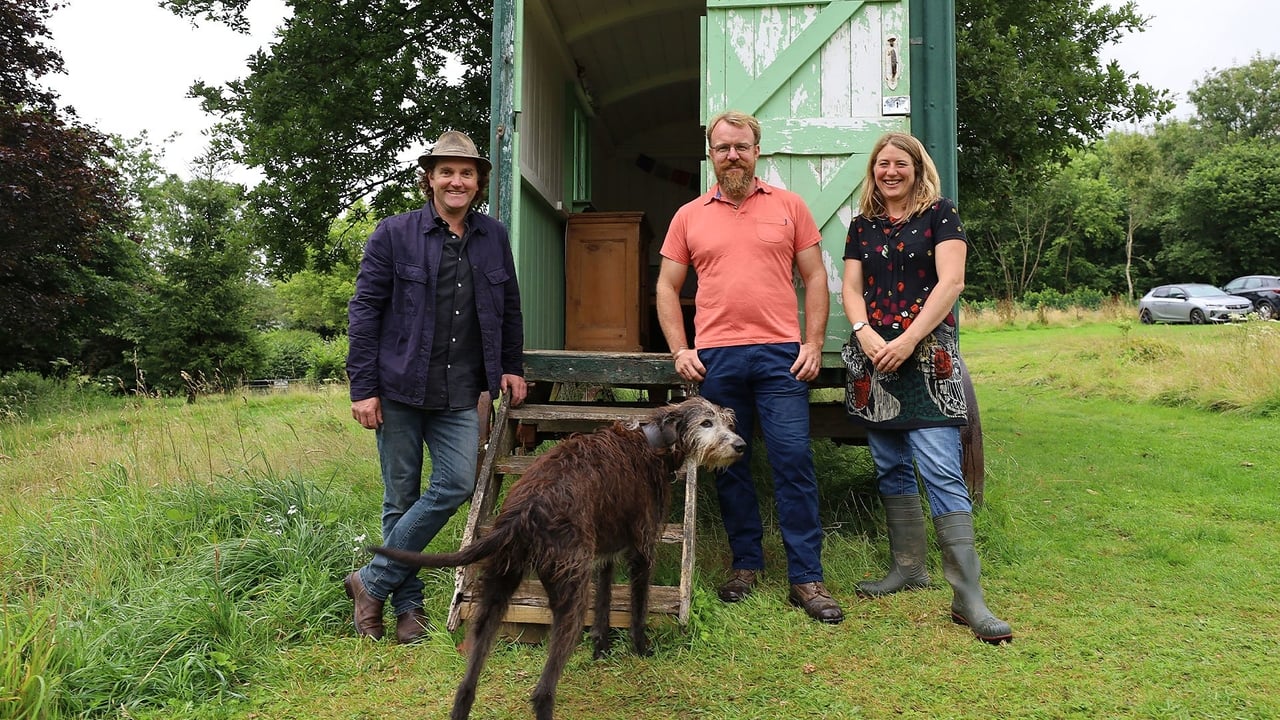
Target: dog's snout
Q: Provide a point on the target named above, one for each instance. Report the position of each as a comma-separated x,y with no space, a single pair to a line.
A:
739,446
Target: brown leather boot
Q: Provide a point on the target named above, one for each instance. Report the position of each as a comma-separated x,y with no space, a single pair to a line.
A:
411,626
817,602
368,609
738,586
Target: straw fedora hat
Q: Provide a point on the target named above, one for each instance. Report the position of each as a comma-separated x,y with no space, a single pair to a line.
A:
453,144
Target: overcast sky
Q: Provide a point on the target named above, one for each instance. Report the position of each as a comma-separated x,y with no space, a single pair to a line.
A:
1185,39
129,62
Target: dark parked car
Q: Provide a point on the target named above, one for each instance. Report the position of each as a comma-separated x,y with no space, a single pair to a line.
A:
1195,303
1262,290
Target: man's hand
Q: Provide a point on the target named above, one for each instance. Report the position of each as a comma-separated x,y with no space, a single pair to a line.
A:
368,412
514,386
689,366
808,362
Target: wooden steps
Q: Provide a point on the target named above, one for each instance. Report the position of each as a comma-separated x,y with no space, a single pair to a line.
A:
503,457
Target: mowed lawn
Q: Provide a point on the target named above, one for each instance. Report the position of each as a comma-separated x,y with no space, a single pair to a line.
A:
1129,535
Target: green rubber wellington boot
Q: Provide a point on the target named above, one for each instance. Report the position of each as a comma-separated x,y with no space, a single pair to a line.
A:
961,567
907,546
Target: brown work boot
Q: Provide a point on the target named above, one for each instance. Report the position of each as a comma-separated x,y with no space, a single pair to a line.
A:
816,601
411,626
738,586
368,614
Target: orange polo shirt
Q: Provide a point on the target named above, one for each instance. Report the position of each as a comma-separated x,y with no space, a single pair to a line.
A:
743,257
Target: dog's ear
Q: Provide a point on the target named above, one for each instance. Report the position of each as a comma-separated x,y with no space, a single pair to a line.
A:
670,425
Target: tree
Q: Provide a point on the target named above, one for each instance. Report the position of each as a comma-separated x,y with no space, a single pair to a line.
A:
1134,168
66,264
1030,88
1231,207
1242,102
198,331
316,299
1083,251
26,58
345,92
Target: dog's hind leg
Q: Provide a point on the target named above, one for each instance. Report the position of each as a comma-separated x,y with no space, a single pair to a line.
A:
495,595
641,569
600,639
566,595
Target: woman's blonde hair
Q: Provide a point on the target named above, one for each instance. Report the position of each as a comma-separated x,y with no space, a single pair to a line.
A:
926,190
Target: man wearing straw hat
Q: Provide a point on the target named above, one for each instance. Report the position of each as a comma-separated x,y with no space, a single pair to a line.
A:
435,321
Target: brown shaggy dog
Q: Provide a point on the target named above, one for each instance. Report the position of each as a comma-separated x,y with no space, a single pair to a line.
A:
591,497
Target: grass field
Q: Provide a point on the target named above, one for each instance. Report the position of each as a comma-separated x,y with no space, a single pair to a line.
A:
163,560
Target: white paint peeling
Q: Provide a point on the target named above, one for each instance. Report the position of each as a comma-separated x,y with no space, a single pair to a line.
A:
770,173
865,61
740,37
814,166
837,76
835,271
799,98
770,38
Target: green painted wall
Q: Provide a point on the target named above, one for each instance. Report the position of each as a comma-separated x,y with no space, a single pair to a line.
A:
540,268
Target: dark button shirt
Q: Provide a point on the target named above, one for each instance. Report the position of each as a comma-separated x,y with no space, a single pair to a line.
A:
455,373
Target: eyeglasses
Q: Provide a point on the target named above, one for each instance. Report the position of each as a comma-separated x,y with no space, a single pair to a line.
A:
740,148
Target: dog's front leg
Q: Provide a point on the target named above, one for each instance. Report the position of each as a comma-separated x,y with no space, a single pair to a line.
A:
641,569
604,599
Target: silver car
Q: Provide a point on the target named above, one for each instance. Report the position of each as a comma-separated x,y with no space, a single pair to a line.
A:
1195,303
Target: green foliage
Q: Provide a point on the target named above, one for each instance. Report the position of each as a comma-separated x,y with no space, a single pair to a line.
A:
26,650
288,353
1030,88
330,109
1241,103
1086,298
198,332
318,300
28,395
1231,203
298,354
328,360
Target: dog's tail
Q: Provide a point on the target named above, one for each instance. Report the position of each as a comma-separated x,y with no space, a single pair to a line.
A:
476,551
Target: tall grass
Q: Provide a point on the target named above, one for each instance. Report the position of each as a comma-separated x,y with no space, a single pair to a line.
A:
1220,368
152,552
170,594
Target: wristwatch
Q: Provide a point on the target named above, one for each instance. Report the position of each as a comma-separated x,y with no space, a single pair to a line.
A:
858,326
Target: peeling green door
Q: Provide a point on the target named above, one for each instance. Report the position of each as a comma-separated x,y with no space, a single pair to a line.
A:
826,79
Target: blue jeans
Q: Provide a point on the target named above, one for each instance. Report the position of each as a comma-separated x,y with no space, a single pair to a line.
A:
410,519
935,452
755,381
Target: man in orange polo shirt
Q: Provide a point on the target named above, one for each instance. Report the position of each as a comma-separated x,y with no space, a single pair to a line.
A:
743,238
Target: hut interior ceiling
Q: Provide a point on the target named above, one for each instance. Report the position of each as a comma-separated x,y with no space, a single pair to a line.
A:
639,64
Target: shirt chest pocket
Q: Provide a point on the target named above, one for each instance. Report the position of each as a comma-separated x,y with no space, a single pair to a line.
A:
410,289
774,229
497,281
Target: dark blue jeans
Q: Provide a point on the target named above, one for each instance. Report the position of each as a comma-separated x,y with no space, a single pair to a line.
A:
755,381
411,518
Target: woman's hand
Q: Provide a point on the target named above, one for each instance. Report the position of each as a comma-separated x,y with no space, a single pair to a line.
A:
889,356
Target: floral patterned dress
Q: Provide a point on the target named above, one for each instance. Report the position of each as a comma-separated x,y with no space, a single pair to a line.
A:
899,270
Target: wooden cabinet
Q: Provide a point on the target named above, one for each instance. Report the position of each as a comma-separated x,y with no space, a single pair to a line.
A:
606,278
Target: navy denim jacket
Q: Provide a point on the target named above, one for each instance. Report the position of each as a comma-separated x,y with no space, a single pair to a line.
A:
391,320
